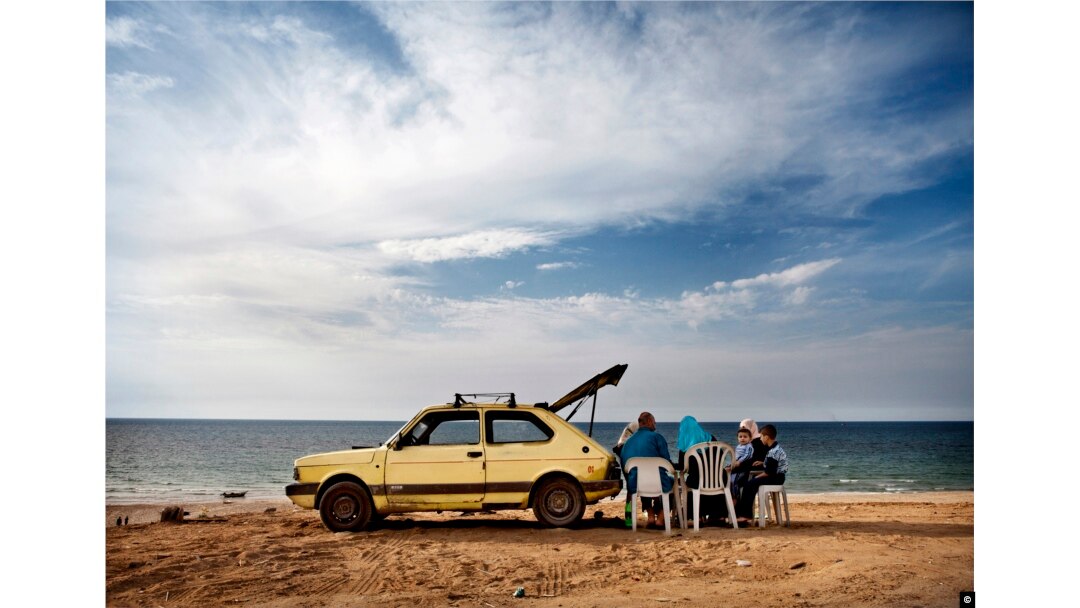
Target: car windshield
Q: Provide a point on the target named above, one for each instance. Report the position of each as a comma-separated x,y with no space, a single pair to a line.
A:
396,433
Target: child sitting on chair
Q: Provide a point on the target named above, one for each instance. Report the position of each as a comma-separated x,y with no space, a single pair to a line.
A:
776,467
743,452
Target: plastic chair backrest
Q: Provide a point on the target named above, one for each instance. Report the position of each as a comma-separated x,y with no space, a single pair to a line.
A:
648,474
711,457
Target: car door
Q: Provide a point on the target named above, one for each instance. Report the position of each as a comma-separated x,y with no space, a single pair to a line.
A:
438,460
517,449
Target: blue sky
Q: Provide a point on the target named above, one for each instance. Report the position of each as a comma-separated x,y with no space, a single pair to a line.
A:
347,211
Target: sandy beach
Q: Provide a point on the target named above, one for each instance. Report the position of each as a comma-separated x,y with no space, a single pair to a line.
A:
841,550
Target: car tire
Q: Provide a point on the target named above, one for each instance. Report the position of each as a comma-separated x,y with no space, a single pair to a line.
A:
346,507
559,503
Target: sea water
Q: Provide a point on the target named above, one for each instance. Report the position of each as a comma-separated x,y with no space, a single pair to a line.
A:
160,461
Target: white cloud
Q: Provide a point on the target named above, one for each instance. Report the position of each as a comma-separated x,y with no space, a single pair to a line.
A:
695,308
799,296
651,317
273,366
125,32
286,29
476,134
795,275
656,116
134,84
482,244
557,266
255,213
746,297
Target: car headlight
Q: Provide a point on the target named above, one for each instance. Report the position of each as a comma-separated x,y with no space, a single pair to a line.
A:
296,473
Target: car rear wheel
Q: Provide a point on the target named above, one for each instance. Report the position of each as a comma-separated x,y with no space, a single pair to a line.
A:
346,507
559,502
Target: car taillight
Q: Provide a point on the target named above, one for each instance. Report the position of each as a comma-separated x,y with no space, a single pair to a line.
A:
614,471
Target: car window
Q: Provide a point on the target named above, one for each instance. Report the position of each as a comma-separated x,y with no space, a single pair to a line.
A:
446,428
516,427
418,431
450,432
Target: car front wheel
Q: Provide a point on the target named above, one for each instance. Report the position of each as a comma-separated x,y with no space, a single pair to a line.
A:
559,503
346,507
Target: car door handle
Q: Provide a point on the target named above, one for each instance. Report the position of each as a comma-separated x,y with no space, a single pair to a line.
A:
474,454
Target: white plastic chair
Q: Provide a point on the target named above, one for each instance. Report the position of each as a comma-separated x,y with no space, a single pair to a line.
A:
649,485
768,498
710,457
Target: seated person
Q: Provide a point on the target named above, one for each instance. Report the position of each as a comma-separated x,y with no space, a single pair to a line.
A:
646,442
744,460
691,433
756,459
776,467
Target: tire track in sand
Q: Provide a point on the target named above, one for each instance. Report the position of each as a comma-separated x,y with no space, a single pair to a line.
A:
554,580
368,569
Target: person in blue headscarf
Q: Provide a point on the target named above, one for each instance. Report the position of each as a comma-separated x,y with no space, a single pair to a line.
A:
690,434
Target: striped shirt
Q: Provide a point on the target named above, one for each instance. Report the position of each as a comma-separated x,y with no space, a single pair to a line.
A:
742,452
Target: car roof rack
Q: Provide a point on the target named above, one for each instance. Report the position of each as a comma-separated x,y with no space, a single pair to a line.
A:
460,401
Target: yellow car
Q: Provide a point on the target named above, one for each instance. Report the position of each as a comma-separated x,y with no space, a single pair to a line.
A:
467,456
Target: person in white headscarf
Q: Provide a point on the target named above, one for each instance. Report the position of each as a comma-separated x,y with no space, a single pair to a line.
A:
626,433
751,426
755,462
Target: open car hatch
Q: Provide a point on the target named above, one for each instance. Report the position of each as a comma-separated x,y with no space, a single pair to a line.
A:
589,389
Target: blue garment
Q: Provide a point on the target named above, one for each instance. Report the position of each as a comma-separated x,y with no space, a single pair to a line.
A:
691,433
776,461
742,452
738,479
776,467
646,443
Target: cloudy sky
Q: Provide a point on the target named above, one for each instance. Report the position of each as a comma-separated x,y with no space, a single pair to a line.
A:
348,211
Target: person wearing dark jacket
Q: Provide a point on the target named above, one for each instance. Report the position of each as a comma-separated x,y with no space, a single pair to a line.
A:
774,474
756,461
